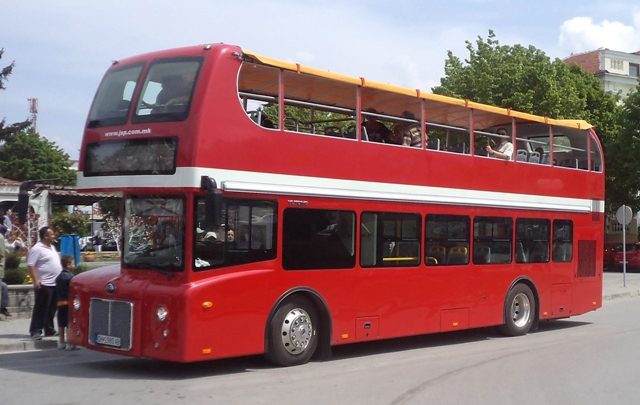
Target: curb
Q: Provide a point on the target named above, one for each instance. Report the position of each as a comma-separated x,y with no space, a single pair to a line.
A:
26,344
626,294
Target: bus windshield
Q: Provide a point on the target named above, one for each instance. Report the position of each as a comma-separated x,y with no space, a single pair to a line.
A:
154,233
111,104
168,87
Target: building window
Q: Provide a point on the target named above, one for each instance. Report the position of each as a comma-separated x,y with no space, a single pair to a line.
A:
318,239
389,239
634,69
447,240
616,64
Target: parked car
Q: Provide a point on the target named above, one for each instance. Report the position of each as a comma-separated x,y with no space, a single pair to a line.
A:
108,244
633,256
610,250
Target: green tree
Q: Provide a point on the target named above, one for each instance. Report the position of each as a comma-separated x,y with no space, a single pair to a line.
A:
7,130
28,156
622,157
65,223
526,79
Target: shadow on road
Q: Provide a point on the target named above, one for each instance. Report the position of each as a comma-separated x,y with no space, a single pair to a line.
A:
88,364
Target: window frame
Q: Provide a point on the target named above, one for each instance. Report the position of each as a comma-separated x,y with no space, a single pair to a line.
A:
529,240
477,241
330,235
555,240
253,254
434,255
395,241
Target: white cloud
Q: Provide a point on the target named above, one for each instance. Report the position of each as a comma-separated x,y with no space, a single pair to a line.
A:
581,34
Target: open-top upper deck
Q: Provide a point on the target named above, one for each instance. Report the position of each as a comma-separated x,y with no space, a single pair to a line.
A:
261,125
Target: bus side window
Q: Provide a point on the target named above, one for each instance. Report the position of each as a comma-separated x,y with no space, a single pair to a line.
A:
562,241
492,240
446,240
389,239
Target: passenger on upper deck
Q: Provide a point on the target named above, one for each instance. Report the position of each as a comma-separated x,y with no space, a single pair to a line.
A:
376,130
505,148
175,90
408,133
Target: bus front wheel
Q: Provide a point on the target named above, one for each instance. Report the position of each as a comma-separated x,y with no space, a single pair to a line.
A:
293,334
519,311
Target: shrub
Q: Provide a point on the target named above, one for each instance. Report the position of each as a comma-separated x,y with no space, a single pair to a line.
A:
80,269
12,261
64,223
15,276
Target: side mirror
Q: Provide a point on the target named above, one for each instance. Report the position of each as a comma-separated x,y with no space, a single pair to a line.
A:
213,202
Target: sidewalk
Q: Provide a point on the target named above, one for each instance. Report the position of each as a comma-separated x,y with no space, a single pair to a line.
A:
14,332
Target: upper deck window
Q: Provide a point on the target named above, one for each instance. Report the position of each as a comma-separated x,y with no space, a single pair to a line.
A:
111,104
167,90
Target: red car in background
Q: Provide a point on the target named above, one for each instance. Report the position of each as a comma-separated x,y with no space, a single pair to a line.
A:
633,256
610,250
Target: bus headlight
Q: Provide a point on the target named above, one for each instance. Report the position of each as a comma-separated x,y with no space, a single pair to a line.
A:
76,303
161,313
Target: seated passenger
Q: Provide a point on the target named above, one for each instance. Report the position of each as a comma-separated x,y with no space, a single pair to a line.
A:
175,91
376,131
505,148
407,133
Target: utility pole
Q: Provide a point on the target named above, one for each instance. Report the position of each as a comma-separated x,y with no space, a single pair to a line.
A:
33,110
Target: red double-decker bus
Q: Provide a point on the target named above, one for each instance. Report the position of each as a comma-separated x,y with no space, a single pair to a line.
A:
273,208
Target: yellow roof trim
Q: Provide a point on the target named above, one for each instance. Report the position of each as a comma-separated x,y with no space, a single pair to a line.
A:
295,67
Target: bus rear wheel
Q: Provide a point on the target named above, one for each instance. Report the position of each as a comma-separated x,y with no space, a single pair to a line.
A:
293,334
519,311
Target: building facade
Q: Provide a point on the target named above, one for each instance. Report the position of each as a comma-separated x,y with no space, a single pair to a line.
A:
618,71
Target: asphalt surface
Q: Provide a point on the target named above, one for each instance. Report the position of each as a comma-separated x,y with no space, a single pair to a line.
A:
14,331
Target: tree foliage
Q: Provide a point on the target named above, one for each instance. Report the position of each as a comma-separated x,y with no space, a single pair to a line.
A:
7,130
623,165
526,79
28,156
25,155
65,223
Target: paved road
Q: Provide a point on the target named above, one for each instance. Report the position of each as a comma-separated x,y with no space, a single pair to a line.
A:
591,359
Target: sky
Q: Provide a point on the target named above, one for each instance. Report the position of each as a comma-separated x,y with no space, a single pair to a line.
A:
62,48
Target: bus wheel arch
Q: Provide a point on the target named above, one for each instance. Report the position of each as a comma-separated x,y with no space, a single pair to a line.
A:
306,309
521,308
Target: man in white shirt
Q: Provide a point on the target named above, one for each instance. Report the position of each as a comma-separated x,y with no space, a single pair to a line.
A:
44,266
505,149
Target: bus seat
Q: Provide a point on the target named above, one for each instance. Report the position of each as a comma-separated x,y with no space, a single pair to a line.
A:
437,252
534,157
333,131
431,261
544,159
458,255
482,254
522,155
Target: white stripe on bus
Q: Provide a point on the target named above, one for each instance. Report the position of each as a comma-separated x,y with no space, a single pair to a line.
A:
284,184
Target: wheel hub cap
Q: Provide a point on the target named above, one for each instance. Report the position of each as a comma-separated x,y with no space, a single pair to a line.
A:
296,331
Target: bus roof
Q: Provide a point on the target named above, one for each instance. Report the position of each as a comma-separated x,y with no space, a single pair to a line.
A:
360,81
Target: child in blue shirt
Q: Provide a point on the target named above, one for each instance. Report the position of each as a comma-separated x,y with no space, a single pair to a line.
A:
62,296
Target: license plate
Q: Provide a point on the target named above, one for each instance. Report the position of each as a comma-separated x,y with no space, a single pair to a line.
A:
108,340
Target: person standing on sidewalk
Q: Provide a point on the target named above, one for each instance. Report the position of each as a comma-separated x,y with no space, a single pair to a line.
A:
62,298
4,289
44,266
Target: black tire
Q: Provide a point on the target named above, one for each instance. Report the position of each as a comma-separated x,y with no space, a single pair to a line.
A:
293,333
519,311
